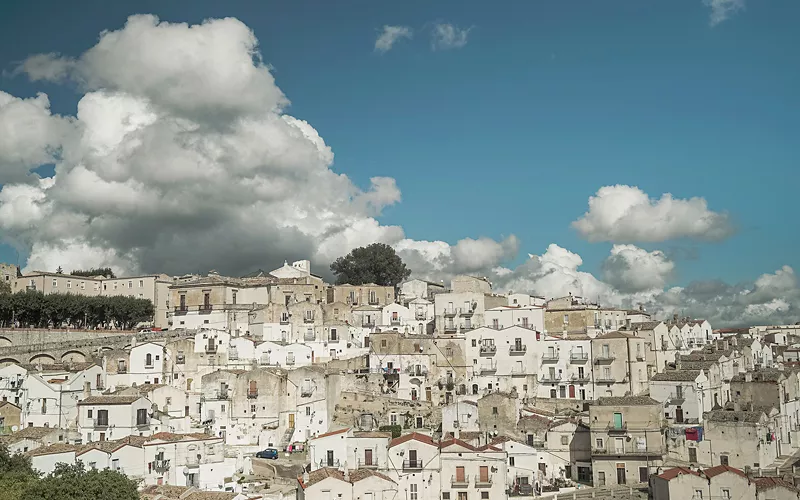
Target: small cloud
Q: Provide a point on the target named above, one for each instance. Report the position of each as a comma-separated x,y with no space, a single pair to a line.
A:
390,35
49,67
447,36
723,9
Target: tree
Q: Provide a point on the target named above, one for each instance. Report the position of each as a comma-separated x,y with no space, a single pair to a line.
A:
5,288
99,271
376,263
74,482
59,270
16,474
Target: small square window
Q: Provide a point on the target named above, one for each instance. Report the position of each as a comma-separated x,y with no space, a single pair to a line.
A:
565,440
484,495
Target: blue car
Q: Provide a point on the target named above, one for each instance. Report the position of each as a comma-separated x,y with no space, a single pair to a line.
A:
270,453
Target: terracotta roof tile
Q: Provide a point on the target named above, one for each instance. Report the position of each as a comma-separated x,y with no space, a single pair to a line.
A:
416,436
110,400
331,433
719,469
670,474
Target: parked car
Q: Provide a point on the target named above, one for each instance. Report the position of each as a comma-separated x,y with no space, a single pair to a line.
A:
270,453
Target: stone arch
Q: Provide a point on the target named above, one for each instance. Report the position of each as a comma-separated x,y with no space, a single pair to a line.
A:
8,361
44,358
4,341
73,356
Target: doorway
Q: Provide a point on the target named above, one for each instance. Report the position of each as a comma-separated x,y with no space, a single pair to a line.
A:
620,473
291,420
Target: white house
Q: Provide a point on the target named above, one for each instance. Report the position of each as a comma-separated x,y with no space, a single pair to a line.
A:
686,395
526,316
360,484
110,417
478,472
503,359
329,449
460,416
146,364
414,465
187,460
565,370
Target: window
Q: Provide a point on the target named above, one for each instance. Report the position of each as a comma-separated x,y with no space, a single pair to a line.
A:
446,495
393,419
564,439
566,319
102,417
83,285
89,414
723,459
141,416
55,283
69,284
484,495
511,461
598,443
233,296
130,284
413,490
141,283
308,411
448,351
383,343
494,410
474,343
148,359
698,495
726,494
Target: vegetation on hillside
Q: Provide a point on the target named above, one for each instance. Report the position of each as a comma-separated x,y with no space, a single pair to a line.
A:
33,309
376,263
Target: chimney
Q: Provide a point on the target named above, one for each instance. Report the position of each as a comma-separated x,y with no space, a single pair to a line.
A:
87,389
675,318
627,323
305,476
346,474
133,342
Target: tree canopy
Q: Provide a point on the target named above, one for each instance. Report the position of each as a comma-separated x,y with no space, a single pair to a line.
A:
33,309
5,287
19,481
376,263
99,271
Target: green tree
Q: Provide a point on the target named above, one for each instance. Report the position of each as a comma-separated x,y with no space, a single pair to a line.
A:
99,271
60,270
5,288
376,263
74,482
16,474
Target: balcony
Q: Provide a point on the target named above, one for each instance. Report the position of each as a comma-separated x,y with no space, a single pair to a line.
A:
605,379
181,310
367,464
417,371
550,379
467,327
578,357
485,482
450,329
621,428
538,443
143,423
419,316
306,392
290,361
604,358
394,321
675,399
161,465
450,313
284,320
100,423
308,319
579,378
122,369
550,357
517,349
488,349
411,465
211,348
629,450
488,368
329,463
368,323
222,394
459,482
205,309
309,337
467,312
252,393
518,371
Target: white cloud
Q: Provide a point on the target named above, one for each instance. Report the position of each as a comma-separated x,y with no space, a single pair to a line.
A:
626,214
390,35
631,269
723,9
29,135
448,36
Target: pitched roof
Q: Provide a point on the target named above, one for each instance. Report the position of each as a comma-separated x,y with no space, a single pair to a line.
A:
768,376
734,416
614,335
52,449
719,469
31,433
645,325
8,403
326,472
766,483
627,401
331,433
415,436
170,436
676,376
674,472
110,399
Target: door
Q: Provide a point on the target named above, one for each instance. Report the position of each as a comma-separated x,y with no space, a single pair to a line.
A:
572,391
368,457
412,458
693,455
601,479
330,458
291,420
460,477
679,415
643,475
428,394
484,474
620,473
618,420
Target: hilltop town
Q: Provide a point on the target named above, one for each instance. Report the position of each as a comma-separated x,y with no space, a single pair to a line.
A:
279,385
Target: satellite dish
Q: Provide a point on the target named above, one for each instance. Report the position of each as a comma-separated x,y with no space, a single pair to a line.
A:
14,428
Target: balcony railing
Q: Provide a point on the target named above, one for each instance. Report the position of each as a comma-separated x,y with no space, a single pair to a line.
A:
308,319
412,465
605,358
252,393
450,328
466,311
459,482
122,369
221,394
484,369
488,349
205,309
309,337
306,392
614,428
517,349
181,310
578,357
550,357
368,323
100,423
579,378
449,313
630,450
290,361
420,316
485,482
284,320
605,379
211,348
161,465
417,371
394,321
549,379
518,370
367,464
143,423
538,443
329,463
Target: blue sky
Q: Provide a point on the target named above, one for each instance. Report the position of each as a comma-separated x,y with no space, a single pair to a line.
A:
546,103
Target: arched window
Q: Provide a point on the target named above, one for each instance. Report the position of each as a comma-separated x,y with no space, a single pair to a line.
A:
148,359
474,388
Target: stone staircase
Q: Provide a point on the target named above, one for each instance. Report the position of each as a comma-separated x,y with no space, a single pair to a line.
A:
286,439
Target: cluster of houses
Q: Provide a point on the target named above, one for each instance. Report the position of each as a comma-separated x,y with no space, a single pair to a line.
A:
425,390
